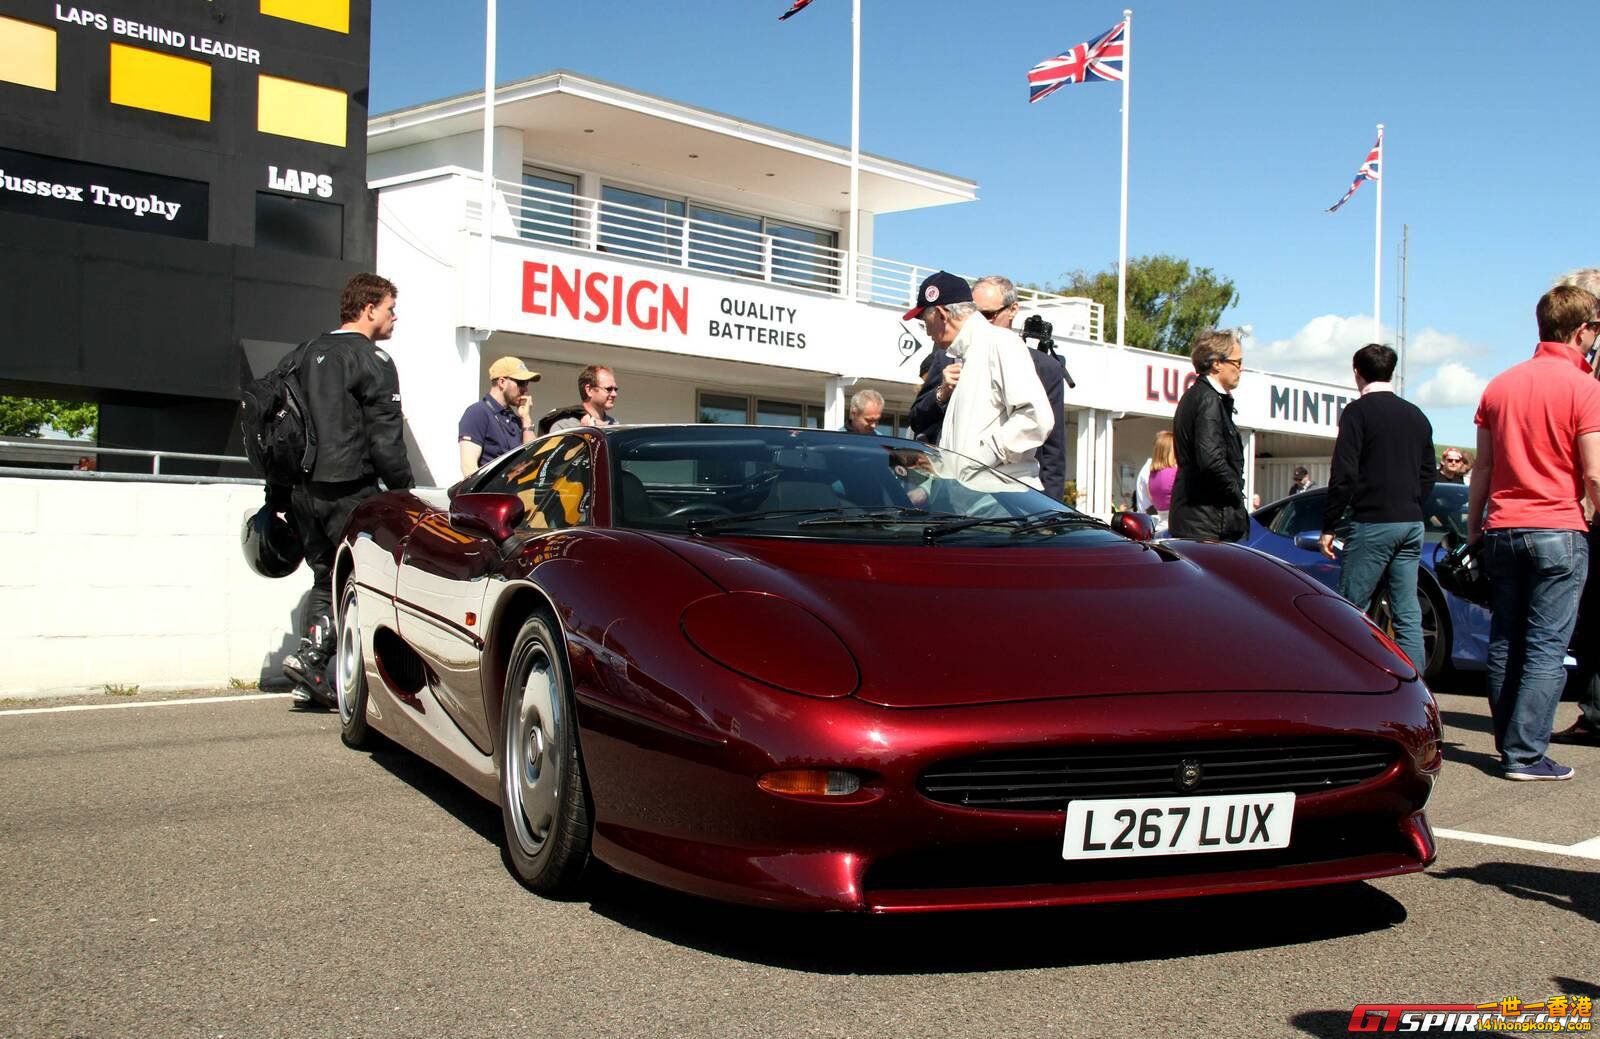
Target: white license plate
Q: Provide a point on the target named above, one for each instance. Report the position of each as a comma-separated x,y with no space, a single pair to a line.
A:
1120,828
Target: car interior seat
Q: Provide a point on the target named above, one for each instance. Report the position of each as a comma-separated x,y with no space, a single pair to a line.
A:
634,500
802,489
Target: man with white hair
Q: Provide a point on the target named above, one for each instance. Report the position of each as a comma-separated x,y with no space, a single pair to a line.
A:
996,412
865,412
1585,678
996,299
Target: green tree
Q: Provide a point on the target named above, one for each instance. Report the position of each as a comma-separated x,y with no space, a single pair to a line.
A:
1169,302
27,416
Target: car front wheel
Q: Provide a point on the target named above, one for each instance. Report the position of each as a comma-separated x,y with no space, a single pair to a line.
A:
544,804
350,676
1435,629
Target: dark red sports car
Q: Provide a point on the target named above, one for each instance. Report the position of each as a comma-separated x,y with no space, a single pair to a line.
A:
828,671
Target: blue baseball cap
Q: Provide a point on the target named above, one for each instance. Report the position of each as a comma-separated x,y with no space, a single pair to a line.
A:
940,289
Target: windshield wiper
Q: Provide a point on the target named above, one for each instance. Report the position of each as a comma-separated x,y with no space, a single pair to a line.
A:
868,517
706,524
1021,524
1058,519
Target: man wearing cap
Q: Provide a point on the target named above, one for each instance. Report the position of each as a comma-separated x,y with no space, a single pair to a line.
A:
501,420
995,409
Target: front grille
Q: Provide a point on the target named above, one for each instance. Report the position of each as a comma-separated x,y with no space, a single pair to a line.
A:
1343,839
1045,780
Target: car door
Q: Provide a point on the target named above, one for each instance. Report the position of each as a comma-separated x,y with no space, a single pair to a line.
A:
1299,514
446,573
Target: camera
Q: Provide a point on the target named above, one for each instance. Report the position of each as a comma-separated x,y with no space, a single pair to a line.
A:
1042,331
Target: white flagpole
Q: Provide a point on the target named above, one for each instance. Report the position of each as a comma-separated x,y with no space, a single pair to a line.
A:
487,201
1122,242
853,254
1377,249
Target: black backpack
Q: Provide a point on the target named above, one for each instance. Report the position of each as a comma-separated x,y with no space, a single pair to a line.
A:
280,439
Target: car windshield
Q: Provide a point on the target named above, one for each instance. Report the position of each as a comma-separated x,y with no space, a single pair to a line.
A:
714,481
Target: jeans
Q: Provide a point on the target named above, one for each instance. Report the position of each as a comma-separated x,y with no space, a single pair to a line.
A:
1585,678
1536,578
1390,553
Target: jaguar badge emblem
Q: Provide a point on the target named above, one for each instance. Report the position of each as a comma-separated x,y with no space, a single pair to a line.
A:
1188,774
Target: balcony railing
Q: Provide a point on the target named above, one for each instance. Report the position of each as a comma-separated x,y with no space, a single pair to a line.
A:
788,256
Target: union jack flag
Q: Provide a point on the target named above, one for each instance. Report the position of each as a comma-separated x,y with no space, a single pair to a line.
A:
1368,171
799,5
1102,58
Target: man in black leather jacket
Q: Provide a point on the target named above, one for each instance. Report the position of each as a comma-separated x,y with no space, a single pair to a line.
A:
1208,495
353,395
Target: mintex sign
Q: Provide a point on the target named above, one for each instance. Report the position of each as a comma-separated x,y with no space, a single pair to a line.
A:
85,193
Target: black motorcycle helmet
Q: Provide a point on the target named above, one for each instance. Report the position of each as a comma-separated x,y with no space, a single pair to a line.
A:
271,544
1460,571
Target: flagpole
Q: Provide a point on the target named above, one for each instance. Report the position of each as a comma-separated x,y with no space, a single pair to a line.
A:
853,254
487,198
1377,249
1122,241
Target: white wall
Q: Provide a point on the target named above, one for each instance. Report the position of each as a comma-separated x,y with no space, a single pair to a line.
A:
128,583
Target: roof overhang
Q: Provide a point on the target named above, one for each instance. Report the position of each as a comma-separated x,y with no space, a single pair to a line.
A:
563,112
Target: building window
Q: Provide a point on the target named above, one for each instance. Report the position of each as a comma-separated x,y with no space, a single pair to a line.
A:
547,212
733,409
722,409
804,257
646,227
651,227
780,413
726,243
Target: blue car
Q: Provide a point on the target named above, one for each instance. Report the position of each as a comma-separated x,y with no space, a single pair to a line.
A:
1454,631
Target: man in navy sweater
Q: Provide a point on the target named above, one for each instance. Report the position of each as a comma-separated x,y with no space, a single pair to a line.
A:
1383,473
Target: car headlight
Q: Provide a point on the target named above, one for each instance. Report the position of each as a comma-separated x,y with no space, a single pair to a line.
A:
1355,630
773,641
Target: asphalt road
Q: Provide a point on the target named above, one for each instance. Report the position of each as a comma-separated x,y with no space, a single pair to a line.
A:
230,869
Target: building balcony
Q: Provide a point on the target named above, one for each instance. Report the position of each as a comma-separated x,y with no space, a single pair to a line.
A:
720,244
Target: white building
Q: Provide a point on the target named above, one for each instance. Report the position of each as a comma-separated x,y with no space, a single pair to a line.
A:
705,259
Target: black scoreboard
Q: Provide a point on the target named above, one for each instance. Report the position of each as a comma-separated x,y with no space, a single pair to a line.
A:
182,196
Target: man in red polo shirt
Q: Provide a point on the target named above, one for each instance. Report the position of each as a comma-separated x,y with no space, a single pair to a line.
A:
1538,457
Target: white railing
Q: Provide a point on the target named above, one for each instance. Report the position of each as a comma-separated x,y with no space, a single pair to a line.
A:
574,221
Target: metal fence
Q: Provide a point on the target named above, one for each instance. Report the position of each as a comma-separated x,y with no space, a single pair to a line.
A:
10,448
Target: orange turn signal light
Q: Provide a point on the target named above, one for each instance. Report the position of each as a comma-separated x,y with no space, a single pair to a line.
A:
810,782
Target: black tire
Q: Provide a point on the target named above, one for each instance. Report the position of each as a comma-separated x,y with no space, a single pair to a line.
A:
350,677
1435,628
544,801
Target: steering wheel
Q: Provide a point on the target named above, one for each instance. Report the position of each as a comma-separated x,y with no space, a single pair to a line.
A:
698,509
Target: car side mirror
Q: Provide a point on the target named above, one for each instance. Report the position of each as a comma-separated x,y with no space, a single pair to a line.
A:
493,515
1135,526
1310,541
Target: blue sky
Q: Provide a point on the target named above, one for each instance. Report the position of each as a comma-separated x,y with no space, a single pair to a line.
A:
1248,119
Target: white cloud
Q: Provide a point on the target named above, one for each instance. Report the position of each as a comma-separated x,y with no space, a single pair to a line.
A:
1322,349
1452,386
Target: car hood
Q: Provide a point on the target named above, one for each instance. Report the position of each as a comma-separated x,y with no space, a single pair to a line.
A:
944,625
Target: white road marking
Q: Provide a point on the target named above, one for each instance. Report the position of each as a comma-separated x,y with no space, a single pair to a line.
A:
1589,849
145,703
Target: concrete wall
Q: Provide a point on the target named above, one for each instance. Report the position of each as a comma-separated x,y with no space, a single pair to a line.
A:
106,582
